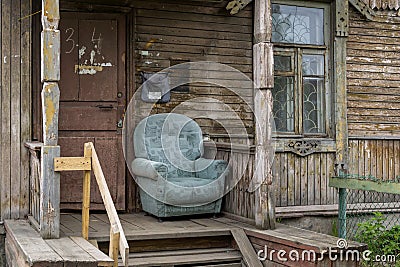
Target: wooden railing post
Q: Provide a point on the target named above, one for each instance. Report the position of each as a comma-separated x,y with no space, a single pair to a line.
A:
86,195
114,244
90,162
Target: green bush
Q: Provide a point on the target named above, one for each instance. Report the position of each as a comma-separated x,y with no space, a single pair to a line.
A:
380,239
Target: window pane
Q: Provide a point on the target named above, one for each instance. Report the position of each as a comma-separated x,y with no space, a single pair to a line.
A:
299,25
313,65
283,104
282,63
313,105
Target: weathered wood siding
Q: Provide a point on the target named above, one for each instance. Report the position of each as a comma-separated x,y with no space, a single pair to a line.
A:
168,33
298,181
373,75
379,158
15,107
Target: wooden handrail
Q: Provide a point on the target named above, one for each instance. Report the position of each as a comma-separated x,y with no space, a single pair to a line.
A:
118,242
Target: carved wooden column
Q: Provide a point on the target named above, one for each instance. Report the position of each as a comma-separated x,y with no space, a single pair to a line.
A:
50,75
264,80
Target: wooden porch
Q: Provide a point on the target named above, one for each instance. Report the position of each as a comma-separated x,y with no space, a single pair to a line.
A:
200,241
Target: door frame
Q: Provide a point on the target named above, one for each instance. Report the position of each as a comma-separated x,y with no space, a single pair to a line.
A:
131,191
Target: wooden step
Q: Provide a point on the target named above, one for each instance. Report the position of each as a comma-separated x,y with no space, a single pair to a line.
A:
167,241
220,257
25,247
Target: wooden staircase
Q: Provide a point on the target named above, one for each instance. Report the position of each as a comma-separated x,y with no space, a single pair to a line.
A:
217,247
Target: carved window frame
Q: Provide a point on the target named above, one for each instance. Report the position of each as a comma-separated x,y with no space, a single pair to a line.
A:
297,141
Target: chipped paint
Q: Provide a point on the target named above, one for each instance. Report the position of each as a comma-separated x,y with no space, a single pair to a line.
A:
150,43
87,69
92,54
91,69
82,51
50,111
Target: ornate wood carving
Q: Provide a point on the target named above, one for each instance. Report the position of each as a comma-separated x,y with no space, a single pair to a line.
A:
303,147
342,18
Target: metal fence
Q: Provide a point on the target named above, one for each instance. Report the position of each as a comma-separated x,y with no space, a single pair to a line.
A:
362,206
360,198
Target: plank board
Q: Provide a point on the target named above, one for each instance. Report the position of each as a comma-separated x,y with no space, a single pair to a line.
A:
71,253
245,247
101,258
33,248
369,77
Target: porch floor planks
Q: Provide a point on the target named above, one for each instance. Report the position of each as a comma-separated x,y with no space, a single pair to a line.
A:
25,247
29,244
71,253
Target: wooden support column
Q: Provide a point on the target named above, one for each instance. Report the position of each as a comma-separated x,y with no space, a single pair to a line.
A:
340,47
264,81
50,75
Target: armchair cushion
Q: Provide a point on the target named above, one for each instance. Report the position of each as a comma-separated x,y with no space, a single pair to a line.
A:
149,169
173,178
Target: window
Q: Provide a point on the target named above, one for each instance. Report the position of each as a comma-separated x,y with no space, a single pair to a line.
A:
301,62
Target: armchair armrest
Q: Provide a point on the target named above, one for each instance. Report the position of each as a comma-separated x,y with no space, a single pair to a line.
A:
209,168
149,169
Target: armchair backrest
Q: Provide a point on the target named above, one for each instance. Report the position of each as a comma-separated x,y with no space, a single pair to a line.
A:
171,138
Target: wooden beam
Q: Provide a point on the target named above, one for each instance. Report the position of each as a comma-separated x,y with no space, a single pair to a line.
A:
50,55
50,73
342,18
50,108
109,204
263,59
263,80
262,21
246,248
340,80
366,185
50,14
49,194
86,195
114,245
72,164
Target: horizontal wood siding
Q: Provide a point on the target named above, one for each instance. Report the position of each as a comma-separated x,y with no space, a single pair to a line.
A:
15,107
171,32
373,77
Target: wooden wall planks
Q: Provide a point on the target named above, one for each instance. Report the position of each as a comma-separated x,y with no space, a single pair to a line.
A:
379,158
298,181
373,75
193,32
15,107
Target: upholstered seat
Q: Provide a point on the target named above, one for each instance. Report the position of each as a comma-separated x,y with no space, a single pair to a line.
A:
174,180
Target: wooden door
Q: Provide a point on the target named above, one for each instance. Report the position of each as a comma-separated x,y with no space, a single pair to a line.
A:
92,101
